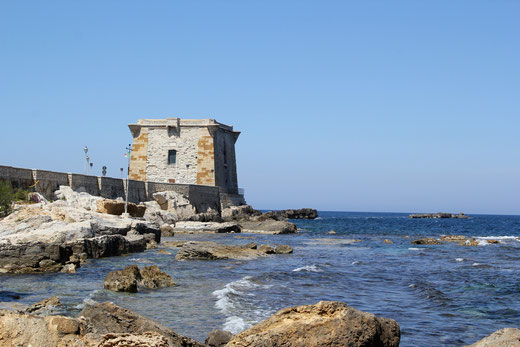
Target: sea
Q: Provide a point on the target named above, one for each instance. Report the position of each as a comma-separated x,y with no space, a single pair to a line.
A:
441,295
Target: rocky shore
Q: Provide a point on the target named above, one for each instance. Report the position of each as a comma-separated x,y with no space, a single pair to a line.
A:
328,323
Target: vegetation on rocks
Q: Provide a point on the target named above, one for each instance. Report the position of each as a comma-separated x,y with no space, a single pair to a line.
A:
6,198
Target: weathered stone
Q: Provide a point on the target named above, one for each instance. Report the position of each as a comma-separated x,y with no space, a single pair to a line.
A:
218,338
69,268
327,323
426,241
123,280
283,249
268,227
44,305
117,208
492,241
508,337
470,242
167,230
107,318
239,213
387,241
213,251
152,277
146,339
332,232
128,279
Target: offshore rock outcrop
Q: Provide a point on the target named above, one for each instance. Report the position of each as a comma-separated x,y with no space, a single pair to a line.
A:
439,215
328,323
214,251
50,237
128,279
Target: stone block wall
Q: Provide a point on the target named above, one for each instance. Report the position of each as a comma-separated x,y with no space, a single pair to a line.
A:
181,139
47,182
205,158
203,197
139,156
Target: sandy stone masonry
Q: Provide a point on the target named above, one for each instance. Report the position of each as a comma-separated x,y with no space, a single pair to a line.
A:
203,149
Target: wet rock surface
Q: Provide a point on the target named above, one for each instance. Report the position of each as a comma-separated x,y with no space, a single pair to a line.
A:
439,215
328,323
426,241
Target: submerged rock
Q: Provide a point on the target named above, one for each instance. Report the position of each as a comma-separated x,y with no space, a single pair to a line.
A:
128,279
44,305
508,337
328,323
388,241
283,249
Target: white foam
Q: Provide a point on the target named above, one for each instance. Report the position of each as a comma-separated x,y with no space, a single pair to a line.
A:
476,264
357,262
88,300
235,325
228,302
459,259
310,268
414,249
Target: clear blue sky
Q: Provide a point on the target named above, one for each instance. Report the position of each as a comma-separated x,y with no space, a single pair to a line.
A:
357,106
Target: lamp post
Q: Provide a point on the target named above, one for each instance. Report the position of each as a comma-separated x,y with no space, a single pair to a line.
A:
128,154
86,158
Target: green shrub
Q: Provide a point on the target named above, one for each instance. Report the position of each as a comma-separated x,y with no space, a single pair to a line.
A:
21,195
6,198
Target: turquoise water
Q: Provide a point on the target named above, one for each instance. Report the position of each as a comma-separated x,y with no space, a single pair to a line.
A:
441,295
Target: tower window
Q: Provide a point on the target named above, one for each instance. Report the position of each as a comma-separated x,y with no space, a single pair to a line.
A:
172,157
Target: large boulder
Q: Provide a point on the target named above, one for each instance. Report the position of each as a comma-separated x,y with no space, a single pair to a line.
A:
128,279
239,213
328,323
508,337
107,318
218,338
268,227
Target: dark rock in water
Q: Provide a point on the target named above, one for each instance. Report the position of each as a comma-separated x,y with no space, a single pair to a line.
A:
214,251
507,337
328,323
303,213
239,213
283,249
439,215
123,280
128,279
218,338
152,277
6,295
426,241
105,318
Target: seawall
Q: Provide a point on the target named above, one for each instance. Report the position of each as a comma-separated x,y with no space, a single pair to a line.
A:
47,182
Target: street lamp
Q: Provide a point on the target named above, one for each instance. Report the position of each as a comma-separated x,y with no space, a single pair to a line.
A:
86,158
128,154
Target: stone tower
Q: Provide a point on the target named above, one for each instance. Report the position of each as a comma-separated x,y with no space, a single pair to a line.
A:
188,151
